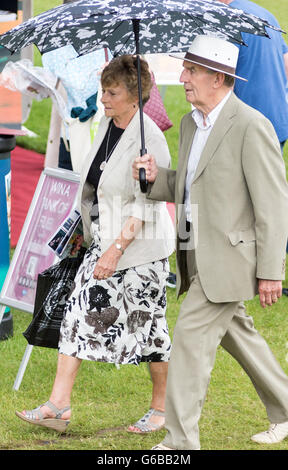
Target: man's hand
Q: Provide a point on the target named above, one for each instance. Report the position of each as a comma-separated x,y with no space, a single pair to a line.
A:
269,291
147,162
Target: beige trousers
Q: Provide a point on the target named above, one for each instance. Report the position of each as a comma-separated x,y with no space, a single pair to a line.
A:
200,328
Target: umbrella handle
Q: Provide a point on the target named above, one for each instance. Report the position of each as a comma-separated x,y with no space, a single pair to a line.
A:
142,175
142,180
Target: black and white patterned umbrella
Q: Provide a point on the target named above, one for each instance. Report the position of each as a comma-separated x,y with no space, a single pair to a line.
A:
165,26
132,26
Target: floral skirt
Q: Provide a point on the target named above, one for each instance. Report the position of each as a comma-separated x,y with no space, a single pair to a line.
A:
120,319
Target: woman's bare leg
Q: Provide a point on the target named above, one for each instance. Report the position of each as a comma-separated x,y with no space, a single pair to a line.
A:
67,369
158,372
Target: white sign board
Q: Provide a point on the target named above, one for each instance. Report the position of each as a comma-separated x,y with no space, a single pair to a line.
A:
53,201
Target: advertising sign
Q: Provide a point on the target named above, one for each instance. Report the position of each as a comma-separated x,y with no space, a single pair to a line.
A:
52,204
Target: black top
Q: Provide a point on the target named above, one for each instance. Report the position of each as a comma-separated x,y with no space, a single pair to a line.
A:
113,134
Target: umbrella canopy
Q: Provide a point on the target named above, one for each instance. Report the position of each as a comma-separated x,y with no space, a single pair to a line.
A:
132,26
165,26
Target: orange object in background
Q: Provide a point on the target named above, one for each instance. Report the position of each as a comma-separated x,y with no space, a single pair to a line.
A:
10,101
5,26
10,107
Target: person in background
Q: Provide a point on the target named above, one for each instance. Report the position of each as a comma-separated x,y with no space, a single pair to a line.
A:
116,312
231,238
80,78
264,63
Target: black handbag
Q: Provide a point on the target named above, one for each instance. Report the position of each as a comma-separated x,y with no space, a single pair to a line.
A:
54,286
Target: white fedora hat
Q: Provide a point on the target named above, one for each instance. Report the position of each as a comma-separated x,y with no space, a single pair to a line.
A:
213,53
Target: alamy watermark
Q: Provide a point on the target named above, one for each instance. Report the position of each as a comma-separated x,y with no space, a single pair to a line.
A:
156,223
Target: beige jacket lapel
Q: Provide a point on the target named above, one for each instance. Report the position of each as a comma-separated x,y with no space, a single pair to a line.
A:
127,139
222,125
187,139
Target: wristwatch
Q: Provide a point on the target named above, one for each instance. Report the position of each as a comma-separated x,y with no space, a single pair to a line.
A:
119,247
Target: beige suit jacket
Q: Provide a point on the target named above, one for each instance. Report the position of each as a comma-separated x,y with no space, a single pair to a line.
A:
240,192
119,196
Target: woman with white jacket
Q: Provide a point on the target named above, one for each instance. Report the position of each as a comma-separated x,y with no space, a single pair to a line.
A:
116,312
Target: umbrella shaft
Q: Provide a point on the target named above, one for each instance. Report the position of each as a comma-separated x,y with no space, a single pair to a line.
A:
143,150
136,35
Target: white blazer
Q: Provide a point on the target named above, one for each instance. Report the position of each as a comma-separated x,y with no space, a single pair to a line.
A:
119,196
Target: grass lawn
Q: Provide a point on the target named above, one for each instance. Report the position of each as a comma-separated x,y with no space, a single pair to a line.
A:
106,399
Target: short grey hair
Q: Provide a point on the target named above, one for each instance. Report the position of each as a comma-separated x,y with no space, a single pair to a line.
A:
229,81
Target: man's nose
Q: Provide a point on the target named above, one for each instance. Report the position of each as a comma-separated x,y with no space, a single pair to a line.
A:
183,76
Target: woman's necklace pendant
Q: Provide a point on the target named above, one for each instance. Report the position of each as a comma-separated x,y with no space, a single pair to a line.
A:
102,166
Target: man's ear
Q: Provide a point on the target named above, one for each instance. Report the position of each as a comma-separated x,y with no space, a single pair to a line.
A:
219,78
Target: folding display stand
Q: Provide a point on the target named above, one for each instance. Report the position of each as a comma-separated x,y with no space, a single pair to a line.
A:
53,201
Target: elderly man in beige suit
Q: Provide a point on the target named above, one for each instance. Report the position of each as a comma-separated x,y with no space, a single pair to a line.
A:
231,198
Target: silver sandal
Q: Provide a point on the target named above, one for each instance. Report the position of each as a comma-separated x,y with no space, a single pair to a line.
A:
144,424
36,417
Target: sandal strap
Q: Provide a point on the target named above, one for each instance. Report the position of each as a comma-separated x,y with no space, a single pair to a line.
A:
34,414
144,424
158,413
58,412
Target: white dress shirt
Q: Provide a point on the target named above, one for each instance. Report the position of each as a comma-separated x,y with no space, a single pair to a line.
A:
200,138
